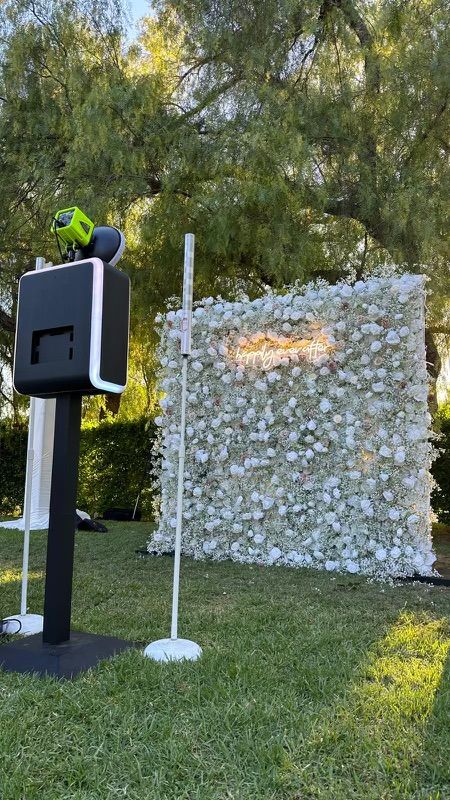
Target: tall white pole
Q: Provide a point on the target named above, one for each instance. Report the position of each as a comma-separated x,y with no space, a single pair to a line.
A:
27,507
177,556
29,623
186,324
40,264
175,649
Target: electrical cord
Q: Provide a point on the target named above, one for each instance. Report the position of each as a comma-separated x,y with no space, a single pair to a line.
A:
4,624
55,228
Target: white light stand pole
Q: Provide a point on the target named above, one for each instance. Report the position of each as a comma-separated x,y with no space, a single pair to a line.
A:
23,623
175,649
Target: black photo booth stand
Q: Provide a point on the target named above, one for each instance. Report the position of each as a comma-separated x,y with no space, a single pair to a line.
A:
71,340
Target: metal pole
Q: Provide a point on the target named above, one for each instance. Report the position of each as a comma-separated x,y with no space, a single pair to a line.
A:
181,452
136,505
61,529
40,264
27,508
186,323
175,649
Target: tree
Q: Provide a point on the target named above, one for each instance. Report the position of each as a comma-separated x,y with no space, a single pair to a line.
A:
61,67
328,110
295,140
322,143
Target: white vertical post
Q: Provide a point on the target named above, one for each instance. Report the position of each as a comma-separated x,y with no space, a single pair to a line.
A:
175,649
27,508
40,264
177,555
186,324
29,623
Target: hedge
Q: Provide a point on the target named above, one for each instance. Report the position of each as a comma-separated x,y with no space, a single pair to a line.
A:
441,468
107,479
115,461
13,456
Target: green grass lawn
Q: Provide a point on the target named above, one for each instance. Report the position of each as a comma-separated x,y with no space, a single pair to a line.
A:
311,686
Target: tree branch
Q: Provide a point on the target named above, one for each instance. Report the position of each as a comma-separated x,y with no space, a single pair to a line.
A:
7,322
423,136
440,329
358,25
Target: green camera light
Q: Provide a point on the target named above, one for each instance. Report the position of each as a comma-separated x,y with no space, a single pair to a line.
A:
72,227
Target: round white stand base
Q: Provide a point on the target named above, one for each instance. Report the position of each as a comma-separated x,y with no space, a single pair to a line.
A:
31,623
173,650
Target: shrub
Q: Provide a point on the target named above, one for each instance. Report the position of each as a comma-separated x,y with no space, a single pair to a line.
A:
441,468
13,456
115,461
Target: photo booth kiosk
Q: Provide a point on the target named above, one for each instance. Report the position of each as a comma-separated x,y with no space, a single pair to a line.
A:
71,340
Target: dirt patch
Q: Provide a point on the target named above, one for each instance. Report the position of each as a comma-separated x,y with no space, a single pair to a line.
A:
442,547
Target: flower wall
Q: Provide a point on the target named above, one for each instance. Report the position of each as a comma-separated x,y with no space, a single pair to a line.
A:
307,439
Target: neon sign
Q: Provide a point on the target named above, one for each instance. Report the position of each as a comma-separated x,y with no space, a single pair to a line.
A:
270,352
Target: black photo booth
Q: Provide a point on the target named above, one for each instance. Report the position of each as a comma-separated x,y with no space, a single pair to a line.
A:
72,330
71,340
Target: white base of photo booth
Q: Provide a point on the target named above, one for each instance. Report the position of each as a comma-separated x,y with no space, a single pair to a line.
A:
29,624
173,650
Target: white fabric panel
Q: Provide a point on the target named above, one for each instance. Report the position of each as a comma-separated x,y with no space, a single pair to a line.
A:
42,445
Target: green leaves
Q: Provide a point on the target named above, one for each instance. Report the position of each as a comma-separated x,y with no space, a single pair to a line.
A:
294,140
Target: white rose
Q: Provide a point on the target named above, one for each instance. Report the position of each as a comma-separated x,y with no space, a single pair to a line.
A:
399,457
267,502
236,469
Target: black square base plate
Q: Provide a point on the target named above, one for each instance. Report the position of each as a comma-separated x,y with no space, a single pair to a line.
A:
66,660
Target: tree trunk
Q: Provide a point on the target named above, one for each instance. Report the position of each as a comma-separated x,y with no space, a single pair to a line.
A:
7,323
434,365
111,406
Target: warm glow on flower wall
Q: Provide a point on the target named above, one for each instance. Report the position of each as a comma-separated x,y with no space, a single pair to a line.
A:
274,351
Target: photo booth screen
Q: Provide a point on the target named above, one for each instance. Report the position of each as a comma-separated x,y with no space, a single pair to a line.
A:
307,439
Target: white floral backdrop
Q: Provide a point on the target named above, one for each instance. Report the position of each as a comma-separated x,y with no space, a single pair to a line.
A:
307,430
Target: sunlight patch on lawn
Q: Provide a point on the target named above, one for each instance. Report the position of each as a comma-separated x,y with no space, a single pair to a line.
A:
15,575
378,726
403,676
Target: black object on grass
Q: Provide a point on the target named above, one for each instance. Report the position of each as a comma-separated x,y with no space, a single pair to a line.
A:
122,514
